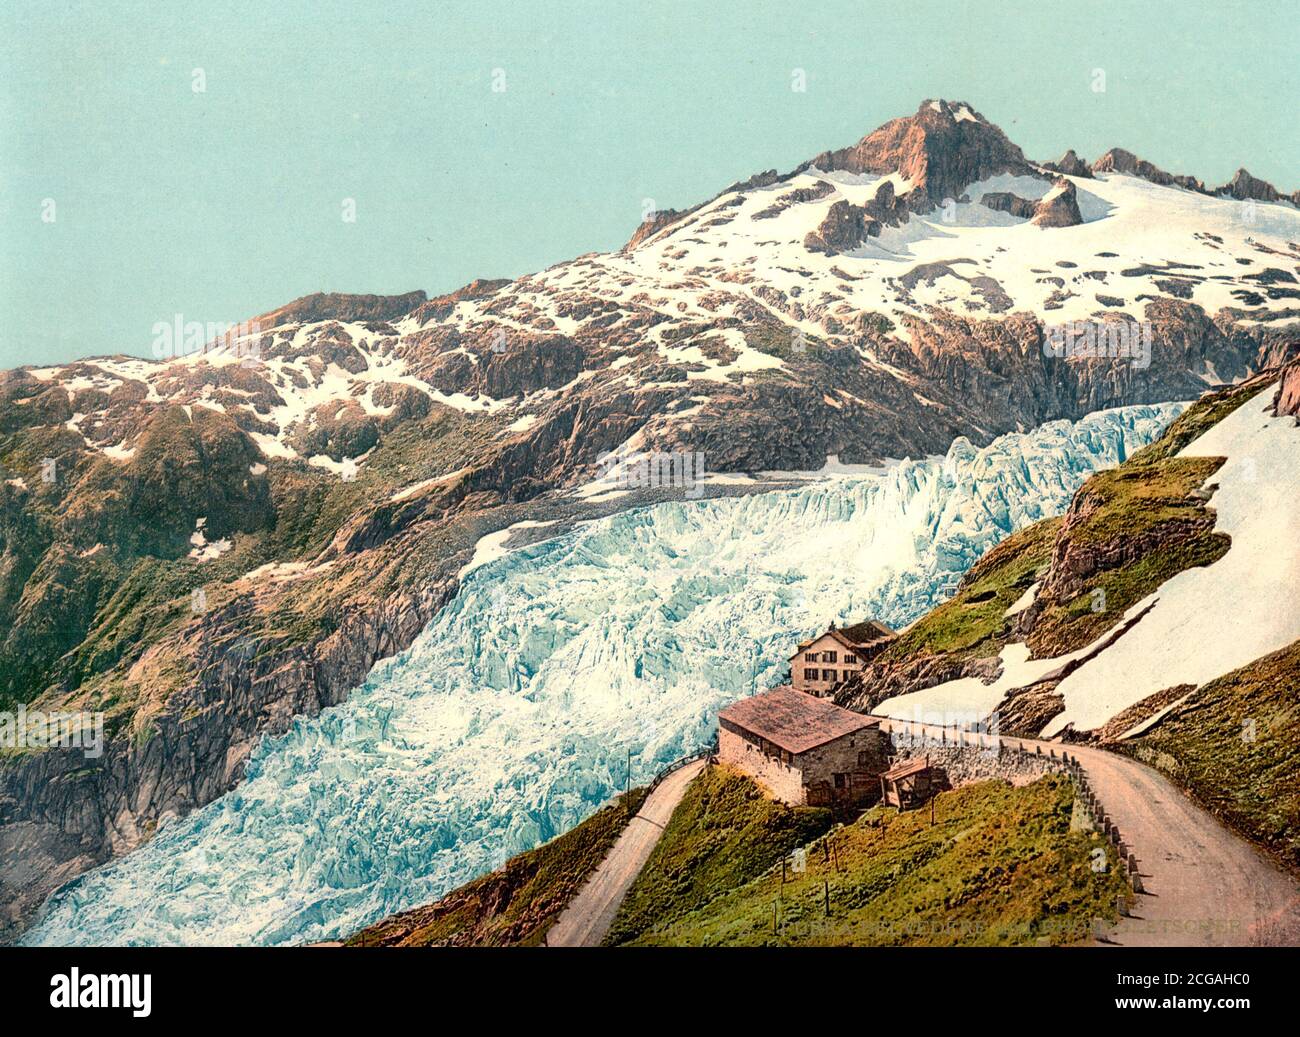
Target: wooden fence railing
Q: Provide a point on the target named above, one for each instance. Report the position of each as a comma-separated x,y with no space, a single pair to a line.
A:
676,765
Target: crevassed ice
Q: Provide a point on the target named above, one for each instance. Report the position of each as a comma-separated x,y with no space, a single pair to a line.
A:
513,715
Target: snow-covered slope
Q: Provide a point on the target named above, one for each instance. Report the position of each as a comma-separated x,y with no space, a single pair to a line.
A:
512,716
1198,625
1209,621
969,258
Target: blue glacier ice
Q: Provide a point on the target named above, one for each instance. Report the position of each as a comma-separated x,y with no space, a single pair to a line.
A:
512,716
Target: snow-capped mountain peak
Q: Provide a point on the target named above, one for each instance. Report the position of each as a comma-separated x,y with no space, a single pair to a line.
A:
944,147
864,278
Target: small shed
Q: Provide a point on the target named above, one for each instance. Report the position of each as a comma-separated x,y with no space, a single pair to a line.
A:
909,783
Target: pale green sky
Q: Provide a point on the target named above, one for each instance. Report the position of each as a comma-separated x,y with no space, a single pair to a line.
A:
226,203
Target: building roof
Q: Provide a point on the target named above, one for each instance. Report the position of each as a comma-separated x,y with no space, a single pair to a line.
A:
794,721
867,632
906,768
856,635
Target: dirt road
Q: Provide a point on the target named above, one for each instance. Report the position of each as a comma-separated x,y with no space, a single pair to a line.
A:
589,915
1203,884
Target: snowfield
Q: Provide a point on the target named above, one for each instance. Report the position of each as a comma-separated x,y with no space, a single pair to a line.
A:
513,715
1134,234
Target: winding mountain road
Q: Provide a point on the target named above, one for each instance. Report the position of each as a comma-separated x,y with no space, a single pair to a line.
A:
589,915
1203,885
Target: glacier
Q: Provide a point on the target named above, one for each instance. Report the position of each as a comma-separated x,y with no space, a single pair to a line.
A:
515,713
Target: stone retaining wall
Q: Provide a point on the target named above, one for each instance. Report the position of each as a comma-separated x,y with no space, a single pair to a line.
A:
977,756
970,756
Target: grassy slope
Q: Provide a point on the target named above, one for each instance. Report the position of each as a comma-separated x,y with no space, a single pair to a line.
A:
1200,418
132,600
1001,865
1143,509
1235,745
972,623
518,902
722,834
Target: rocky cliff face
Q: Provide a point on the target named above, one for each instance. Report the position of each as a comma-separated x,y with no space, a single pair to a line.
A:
1287,400
1243,186
1117,160
940,150
1071,165
61,814
203,546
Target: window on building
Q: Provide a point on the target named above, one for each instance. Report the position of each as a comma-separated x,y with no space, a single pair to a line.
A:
828,675
864,759
810,657
810,673
828,657
849,657
841,781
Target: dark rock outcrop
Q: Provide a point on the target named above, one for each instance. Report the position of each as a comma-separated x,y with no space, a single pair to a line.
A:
796,197
337,306
652,225
847,226
1005,201
764,179
1059,207
942,149
1243,186
1287,398
1071,165
1117,160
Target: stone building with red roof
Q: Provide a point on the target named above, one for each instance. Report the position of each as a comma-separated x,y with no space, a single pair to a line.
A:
804,750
